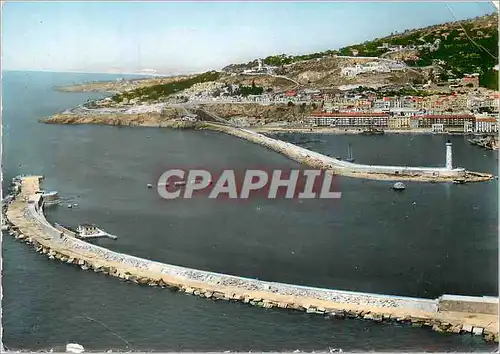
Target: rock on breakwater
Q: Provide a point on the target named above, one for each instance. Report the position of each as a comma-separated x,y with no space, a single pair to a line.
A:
26,213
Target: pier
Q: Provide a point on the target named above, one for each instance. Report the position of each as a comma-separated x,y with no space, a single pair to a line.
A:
449,313
448,173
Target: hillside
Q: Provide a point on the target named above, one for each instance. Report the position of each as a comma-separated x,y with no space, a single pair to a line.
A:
457,48
449,50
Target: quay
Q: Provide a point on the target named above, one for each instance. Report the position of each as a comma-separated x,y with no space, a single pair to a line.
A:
449,313
350,169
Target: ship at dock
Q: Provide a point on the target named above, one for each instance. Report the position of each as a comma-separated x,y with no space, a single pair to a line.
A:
91,231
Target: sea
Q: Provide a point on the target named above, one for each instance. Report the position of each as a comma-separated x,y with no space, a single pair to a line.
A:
428,240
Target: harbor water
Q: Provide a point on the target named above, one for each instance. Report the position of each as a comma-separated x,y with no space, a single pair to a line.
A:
425,241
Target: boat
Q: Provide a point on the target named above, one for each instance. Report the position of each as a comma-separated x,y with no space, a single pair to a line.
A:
349,157
89,231
50,197
399,186
372,131
74,348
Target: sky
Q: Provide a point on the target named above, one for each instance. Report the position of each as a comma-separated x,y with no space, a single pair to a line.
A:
180,37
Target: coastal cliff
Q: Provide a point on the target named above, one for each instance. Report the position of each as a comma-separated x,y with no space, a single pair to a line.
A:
256,114
246,114
119,119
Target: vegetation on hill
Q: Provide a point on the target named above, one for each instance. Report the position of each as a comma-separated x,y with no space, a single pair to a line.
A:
463,47
163,90
249,90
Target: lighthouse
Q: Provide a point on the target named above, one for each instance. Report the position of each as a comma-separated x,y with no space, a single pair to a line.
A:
449,156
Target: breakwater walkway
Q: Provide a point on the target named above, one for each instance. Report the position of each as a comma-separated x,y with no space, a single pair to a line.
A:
455,314
344,168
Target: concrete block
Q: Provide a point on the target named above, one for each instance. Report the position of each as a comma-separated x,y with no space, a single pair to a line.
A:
477,331
467,328
368,316
437,328
456,329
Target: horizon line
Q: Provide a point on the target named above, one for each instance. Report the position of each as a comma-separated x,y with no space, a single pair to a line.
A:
94,72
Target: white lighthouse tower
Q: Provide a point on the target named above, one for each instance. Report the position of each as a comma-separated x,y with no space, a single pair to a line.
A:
449,156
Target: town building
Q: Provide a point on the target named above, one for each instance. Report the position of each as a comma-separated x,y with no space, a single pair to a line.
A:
349,119
370,67
486,124
471,79
437,128
399,122
458,122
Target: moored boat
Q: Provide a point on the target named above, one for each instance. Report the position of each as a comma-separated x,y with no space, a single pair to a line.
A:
399,186
88,231
372,131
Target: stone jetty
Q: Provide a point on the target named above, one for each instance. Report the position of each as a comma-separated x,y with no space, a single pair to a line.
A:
449,313
344,168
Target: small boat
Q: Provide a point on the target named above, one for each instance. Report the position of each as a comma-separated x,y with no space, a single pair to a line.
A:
149,185
349,157
74,348
459,181
372,131
89,231
50,197
399,186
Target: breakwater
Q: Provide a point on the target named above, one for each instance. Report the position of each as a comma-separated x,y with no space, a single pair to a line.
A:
344,168
476,315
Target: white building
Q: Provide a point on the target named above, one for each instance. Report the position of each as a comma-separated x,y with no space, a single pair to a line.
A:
438,128
369,67
486,124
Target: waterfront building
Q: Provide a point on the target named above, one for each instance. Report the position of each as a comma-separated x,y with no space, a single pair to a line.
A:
486,124
399,122
438,128
458,122
349,119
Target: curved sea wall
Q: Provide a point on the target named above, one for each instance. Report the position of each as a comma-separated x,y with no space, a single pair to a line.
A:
27,223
